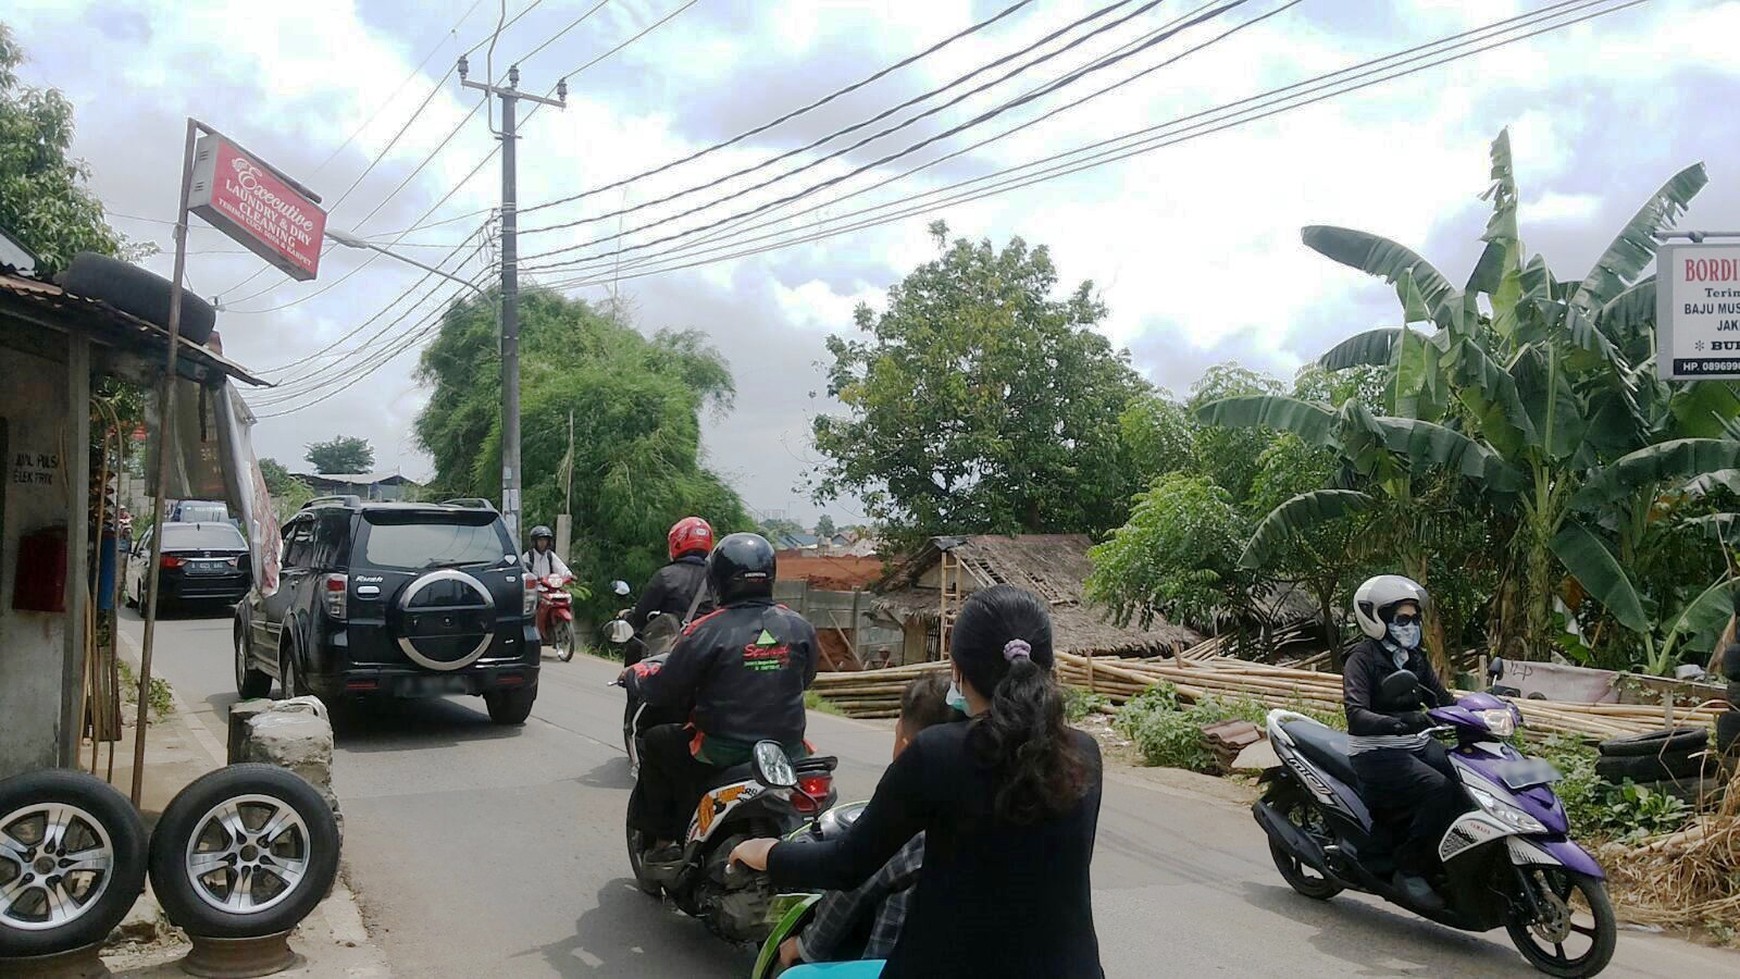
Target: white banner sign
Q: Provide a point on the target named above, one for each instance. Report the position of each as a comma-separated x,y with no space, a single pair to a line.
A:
1697,319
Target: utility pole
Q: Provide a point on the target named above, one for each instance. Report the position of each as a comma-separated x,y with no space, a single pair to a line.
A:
510,96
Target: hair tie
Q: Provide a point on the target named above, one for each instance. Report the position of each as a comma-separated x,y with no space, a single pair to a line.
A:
1016,649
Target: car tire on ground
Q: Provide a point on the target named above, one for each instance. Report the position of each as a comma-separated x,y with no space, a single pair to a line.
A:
1730,665
133,290
251,681
1734,694
1728,734
1675,741
79,842
510,706
1650,769
244,851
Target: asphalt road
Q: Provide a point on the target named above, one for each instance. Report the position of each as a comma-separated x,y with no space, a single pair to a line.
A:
477,850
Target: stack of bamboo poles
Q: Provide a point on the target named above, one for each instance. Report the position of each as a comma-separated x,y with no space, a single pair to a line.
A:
876,693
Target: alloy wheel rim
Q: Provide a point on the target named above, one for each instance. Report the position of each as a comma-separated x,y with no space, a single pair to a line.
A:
56,862
248,854
1551,931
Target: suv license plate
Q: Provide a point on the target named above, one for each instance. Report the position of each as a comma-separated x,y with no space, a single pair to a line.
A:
432,686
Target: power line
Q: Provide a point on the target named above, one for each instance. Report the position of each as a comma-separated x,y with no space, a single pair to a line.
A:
1057,85
662,21
1204,128
764,127
576,22
788,154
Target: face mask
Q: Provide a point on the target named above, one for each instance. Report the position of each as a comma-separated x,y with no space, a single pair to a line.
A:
955,698
1406,636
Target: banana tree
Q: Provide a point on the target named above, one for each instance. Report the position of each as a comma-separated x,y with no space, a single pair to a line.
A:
1531,389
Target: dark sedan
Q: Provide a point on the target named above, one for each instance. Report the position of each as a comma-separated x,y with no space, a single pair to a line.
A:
202,562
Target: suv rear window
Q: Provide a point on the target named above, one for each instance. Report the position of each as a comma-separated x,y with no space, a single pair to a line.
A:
427,543
211,535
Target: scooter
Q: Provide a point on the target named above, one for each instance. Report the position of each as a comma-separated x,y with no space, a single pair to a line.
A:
555,615
768,797
792,913
1507,861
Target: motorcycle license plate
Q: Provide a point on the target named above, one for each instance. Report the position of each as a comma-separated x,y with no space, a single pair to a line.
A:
1527,773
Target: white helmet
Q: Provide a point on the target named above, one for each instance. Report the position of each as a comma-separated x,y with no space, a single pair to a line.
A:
1373,599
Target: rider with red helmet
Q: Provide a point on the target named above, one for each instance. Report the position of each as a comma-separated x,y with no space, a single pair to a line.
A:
673,587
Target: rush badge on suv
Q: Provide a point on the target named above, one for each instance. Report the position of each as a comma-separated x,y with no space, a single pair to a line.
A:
397,600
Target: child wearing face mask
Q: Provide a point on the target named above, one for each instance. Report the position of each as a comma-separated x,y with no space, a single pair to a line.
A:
1404,774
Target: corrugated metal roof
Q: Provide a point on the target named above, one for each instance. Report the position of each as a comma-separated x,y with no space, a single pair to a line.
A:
115,327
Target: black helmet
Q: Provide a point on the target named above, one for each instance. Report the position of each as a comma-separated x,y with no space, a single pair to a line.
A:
742,566
542,531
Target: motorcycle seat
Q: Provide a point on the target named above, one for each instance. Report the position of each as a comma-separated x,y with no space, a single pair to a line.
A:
1325,747
736,773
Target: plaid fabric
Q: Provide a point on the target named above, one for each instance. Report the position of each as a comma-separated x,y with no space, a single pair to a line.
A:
885,895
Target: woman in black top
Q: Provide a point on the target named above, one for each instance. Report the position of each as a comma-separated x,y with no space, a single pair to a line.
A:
1008,802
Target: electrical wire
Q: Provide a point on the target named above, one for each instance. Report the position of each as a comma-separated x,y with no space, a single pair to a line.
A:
764,127
662,21
788,154
983,117
576,22
1207,127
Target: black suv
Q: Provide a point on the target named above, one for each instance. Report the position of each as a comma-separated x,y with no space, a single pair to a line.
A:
398,600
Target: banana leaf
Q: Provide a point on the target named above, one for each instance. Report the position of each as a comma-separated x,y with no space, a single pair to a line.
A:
1701,407
1635,246
1373,348
1704,617
1593,565
1708,483
1298,515
1675,461
1382,257
1628,319
1432,444
1491,395
1312,422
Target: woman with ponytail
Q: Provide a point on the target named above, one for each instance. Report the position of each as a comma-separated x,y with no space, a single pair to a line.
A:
1008,801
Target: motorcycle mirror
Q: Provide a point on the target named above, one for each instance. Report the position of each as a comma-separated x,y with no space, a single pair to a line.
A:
772,768
1495,669
619,587
618,631
1400,689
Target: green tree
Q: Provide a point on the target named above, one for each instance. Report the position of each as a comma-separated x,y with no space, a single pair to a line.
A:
1539,395
636,403
774,528
288,492
825,526
44,201
341,454
977,402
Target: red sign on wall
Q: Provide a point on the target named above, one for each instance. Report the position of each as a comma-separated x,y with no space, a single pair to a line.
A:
243,198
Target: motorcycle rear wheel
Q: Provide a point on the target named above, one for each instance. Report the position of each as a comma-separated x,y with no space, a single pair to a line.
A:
637,847
1298,876
1541,940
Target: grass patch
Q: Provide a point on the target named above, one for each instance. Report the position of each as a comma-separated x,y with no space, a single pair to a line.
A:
160,700
816,702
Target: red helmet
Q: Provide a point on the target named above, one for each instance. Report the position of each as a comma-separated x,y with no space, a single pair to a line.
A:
690,535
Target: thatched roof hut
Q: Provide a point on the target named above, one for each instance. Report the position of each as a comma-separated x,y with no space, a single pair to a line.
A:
1052,566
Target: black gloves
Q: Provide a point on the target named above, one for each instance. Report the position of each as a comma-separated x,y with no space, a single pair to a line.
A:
1414,721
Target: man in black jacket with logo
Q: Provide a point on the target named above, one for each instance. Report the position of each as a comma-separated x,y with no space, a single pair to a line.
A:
741,672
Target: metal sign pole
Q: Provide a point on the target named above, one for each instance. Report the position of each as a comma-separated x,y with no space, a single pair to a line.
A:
165,442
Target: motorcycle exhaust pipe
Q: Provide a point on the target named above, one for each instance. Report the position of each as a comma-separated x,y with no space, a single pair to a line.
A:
1292,837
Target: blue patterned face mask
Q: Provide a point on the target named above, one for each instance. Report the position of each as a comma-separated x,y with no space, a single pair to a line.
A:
1406,636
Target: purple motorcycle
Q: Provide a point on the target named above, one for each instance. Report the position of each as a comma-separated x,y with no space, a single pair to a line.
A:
1506,861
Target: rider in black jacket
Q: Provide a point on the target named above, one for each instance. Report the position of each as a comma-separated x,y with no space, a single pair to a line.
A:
673,588
741,672
1404,775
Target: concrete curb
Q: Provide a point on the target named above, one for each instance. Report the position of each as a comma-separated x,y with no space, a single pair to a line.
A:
337,920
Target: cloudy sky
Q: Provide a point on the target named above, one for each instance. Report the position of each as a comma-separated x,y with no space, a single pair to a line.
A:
1192,243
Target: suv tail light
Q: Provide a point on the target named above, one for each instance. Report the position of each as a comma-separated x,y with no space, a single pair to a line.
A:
335,595
529,604
812,792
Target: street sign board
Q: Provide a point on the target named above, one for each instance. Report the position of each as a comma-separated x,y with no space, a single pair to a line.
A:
1697,312
248,201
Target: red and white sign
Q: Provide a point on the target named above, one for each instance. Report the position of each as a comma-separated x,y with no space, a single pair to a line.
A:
244,199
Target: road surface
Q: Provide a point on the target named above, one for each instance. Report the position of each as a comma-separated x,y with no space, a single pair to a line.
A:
477,850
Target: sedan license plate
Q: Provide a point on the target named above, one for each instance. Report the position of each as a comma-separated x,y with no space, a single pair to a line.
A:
1527,772
207,567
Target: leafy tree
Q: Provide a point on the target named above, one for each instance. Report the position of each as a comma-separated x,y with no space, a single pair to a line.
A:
636,403
775,528
288,492
825,526
341,454
1539,396
977,402
43,197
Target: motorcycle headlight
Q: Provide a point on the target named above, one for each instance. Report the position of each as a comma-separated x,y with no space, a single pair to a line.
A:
1506,813
1499,720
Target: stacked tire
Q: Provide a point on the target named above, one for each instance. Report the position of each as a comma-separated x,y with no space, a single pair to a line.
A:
1728,724
1672,760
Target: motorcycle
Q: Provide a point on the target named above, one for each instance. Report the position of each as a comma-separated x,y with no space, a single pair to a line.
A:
791,913
555,615
770,796
1506,861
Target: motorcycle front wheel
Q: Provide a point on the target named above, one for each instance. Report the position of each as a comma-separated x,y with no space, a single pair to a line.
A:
1575,912
565,641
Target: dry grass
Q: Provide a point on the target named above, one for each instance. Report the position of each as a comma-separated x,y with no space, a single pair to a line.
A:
1686,879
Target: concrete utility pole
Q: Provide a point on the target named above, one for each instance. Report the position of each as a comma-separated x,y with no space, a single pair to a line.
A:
510,96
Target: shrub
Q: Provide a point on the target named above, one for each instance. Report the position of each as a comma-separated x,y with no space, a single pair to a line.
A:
1169,734
1078,703
1600,810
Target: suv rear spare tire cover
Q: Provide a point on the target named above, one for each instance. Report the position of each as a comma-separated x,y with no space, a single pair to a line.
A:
446,620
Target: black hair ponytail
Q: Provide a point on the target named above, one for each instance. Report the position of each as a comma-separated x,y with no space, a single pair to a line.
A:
1002,642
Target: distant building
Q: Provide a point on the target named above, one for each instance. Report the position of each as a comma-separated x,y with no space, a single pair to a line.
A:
370,486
